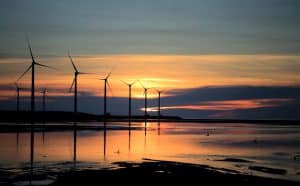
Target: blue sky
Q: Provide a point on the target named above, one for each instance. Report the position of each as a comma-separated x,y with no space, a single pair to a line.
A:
157,26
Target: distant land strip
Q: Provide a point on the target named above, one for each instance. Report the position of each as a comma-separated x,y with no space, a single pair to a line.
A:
65,116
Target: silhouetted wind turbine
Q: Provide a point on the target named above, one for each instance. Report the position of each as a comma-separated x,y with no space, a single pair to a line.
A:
145,94
74,83
32,68
44,92
129,98
159,92
18,89
105,93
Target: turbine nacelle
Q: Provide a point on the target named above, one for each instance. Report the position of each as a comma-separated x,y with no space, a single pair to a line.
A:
106,82
18,88
129,84
44,91
32,63
76,72
145,88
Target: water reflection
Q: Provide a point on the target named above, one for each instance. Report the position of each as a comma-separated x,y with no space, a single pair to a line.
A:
17,141
275,145
129,135
31,151
43,132
74,143
158,126
104,140
145,127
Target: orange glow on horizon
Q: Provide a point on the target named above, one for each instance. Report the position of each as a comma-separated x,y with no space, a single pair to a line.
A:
164,72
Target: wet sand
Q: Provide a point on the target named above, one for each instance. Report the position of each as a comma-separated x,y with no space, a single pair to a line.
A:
158,172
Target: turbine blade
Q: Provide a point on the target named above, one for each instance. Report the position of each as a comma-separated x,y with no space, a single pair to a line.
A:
110,90
30,50
70,90
24,72
72,63
45,66
141,84
108,75
84,73
125,83
133,82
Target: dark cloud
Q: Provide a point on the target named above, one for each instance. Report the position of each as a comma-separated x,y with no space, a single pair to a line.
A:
87,102
233,93
286,110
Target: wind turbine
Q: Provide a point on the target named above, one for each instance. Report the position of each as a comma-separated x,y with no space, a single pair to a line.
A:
32,68
18,89
129,98
145,94
159,92
74,83
106,84
44,92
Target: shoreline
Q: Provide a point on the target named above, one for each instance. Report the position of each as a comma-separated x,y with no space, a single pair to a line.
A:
20,117
7,127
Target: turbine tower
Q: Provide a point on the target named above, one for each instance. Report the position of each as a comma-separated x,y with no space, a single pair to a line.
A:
129,98
106,84
32,68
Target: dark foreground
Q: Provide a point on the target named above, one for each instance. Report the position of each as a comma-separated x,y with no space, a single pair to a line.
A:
164,172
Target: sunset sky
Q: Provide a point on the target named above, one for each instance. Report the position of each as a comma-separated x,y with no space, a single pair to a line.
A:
212,58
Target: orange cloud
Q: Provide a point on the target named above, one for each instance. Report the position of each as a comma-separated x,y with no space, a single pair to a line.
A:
228,105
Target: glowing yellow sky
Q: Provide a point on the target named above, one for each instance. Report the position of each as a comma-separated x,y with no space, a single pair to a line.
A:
156,71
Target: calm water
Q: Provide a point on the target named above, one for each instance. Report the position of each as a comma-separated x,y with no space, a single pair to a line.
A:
273,146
